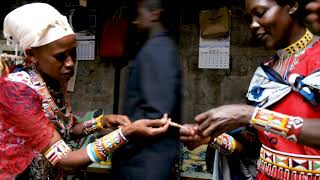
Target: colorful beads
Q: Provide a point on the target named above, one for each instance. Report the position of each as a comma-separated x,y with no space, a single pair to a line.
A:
99,150
300,44
277,123
57,151
92,125
225,143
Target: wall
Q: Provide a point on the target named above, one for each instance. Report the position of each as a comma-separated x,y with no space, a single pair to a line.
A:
94,86
203,88
208,88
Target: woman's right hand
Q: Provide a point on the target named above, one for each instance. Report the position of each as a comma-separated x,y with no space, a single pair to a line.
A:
190,137
113,121
223,119
146,128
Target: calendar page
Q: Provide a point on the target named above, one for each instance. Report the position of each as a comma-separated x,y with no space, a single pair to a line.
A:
85,47
214,53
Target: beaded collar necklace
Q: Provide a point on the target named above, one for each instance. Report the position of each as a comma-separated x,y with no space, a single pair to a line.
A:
300,44
49,105
286,59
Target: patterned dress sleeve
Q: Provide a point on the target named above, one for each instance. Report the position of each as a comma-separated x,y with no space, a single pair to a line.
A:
25,131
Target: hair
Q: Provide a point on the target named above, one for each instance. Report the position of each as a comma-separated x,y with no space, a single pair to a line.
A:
169,15
301,13
154,5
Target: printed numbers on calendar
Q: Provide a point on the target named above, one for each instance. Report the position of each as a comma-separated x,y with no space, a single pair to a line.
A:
214,59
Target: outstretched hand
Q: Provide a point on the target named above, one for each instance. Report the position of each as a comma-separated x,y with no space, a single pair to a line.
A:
190,137
147,127
114,121
223,119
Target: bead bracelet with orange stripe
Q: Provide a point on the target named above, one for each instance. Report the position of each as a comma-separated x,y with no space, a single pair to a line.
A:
277,123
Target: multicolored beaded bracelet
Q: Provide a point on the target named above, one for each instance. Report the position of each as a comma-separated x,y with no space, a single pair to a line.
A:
225,144
92,125
277,123
98,150
57,151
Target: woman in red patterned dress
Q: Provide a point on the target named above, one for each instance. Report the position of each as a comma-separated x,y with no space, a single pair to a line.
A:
37,128
288,84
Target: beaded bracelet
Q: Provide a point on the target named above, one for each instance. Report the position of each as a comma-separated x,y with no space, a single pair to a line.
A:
99,150
91,153
92,125
224,143
277,123
57,151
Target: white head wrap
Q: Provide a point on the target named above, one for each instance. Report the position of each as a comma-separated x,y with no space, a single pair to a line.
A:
34,25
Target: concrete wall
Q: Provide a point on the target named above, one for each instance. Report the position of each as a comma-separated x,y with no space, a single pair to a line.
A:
208,88
94,86
203,88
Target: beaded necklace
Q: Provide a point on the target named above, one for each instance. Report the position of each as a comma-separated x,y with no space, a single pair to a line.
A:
63,121
289,57
300,44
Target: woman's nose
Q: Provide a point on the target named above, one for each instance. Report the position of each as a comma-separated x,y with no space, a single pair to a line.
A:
254,24
69,62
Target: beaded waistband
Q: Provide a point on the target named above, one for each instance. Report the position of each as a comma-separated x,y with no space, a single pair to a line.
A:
281,165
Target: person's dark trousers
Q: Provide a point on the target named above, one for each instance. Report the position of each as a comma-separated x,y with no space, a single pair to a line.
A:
152,163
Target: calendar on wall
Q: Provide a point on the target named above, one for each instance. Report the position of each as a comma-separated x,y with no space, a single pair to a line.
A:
214,53
85,47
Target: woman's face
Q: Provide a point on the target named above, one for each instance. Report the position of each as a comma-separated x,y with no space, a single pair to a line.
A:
56,59
270,22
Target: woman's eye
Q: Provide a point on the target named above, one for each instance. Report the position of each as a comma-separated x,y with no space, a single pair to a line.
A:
60,57
259,14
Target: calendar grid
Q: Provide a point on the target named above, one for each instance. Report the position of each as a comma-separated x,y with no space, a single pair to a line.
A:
214,53
85,47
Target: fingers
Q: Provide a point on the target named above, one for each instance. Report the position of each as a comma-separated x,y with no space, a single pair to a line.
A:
155,122
118,120
201,117
125,120
165,116
313,7
314,14
188,138
150,128
188,130
195,141
159,130
208,127
312,18
212,130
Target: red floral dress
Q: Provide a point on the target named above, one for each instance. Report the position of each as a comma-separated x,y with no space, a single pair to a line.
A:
25,131
28,116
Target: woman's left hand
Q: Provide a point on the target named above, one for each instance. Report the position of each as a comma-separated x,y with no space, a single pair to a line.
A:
114,121
223,119
146,128
190,138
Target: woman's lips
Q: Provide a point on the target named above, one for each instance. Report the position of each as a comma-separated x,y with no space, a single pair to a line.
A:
262,36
